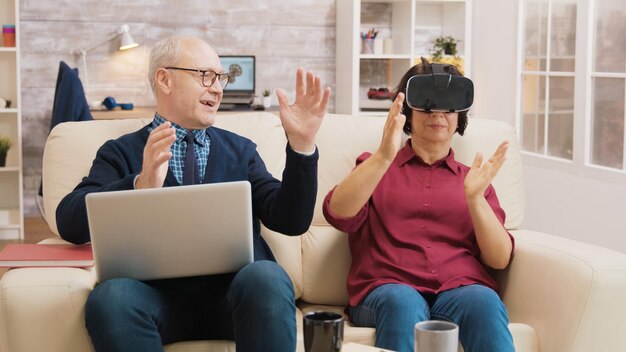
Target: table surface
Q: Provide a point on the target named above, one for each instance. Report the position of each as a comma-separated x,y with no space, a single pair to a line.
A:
357,347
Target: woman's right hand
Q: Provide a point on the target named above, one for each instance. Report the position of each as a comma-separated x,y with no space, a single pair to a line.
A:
392,132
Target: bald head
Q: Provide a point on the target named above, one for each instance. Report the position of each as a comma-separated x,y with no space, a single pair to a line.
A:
176,51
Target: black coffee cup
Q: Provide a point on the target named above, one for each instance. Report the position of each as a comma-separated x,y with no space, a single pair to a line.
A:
323,332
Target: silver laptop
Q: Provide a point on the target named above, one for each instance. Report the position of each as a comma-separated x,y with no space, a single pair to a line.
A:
171,232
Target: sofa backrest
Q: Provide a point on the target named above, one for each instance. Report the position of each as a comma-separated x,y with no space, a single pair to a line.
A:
69,153
318,261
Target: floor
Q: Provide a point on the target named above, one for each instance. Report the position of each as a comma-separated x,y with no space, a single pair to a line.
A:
35,230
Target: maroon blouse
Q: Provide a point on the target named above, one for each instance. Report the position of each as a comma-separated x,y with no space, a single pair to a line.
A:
415,229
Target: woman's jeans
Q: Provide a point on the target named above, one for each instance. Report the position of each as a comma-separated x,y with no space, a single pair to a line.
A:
394,309
254,307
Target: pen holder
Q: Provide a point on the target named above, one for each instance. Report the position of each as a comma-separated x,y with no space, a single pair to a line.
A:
367,46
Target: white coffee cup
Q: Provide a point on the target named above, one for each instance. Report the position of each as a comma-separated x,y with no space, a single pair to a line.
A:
436,336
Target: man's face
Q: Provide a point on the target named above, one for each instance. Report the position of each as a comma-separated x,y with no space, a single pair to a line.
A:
194,105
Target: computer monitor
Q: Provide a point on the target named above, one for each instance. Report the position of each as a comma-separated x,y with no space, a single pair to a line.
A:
242,72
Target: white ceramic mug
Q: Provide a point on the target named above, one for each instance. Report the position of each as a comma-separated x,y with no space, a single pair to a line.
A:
436,336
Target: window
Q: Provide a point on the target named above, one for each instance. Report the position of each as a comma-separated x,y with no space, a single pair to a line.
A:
608,82
573,78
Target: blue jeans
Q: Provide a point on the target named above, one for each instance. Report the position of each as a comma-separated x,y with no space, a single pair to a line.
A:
394,309
255,307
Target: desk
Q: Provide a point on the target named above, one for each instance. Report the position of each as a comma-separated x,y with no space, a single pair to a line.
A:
116,114
140,112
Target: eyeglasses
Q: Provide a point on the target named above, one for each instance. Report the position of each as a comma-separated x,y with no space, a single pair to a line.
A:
208,76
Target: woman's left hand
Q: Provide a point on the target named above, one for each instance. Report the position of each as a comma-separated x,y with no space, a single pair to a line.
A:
480,175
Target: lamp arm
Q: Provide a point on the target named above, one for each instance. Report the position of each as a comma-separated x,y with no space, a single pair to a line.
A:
83,54
86,51
83,58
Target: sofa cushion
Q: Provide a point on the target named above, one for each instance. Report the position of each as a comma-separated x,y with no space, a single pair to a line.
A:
325,265
341,139
288,253
69,152
264,129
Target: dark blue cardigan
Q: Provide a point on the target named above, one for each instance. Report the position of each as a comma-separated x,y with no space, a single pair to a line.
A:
285,207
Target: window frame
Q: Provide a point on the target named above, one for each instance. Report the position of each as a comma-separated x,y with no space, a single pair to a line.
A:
583,77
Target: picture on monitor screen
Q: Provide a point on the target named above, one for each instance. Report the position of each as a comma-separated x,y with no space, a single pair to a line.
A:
241,71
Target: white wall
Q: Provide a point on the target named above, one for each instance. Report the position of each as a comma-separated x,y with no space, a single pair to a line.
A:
494,37
558,202
575,206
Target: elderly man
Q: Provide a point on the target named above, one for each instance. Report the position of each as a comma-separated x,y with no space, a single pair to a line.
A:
255,307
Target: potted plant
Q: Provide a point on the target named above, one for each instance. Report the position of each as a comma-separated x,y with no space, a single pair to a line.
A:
5,145
444,51
444,45
267,99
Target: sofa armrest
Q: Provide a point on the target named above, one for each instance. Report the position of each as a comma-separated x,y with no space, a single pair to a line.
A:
570,292
42,309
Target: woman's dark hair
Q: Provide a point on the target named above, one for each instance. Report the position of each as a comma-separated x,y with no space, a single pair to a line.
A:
424,68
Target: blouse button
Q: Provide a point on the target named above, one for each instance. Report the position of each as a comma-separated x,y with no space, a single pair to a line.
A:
433,271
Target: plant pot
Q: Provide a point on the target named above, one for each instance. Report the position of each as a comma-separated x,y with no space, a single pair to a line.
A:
449,49
3,159
267,102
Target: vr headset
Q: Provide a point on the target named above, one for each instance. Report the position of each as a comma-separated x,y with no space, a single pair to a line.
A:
439,91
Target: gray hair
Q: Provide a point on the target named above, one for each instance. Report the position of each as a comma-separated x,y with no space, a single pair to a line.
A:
164,53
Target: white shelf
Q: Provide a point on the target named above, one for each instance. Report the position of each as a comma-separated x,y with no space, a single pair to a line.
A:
11,176
438,2
387,56
9,227
383,104
385,1
9,218
412,27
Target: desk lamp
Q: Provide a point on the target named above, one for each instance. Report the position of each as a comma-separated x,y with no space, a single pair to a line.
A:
126,42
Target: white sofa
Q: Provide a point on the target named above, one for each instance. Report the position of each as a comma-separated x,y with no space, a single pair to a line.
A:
561,295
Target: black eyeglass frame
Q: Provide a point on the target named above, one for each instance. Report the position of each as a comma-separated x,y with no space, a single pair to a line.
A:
204,75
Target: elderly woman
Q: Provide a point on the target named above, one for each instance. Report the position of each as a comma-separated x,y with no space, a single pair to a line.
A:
422,229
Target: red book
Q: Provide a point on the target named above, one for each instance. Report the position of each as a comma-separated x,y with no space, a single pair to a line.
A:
17,255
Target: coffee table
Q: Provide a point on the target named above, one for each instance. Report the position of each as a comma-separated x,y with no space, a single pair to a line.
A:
357,347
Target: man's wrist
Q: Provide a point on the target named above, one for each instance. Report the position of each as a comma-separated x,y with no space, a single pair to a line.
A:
309,153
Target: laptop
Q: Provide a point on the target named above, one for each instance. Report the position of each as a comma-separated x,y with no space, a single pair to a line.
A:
171,232
240,88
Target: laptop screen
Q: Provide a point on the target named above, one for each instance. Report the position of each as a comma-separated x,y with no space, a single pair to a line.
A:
241,70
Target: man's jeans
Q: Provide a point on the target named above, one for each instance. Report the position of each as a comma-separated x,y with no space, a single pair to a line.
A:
254,307
394,309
